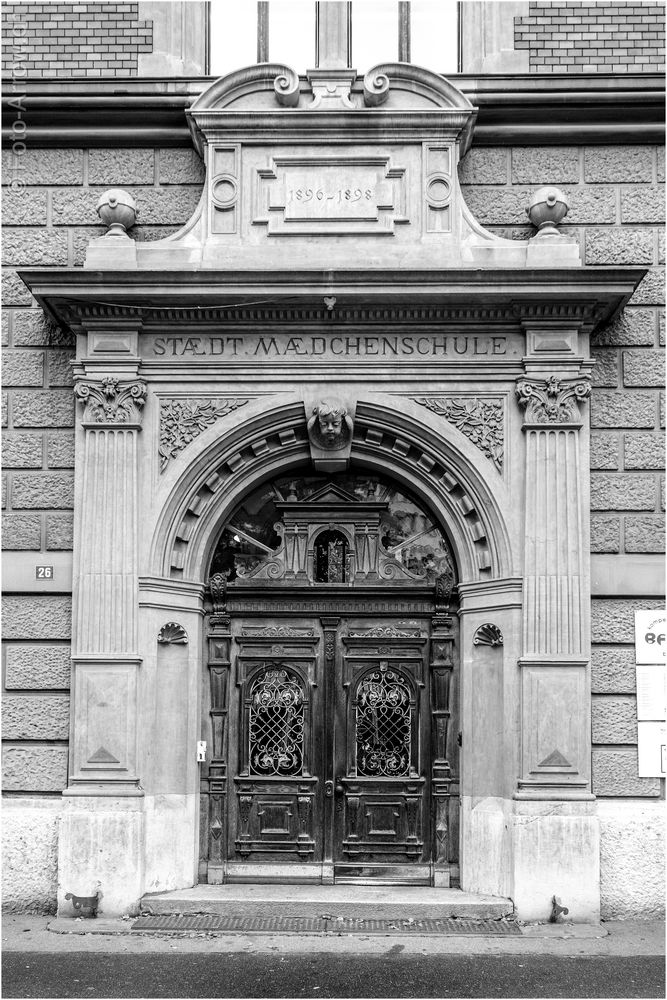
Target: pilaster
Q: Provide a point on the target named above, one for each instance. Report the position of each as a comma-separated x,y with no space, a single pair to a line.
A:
104,766
554,809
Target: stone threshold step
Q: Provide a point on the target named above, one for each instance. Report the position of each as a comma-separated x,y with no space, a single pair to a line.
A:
328,901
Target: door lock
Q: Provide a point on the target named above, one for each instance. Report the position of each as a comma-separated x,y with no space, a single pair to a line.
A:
328,789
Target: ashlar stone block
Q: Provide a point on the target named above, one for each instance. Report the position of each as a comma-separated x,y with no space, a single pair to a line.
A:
545,165
591,206
622,491
35,717
32,328
645,534
642,204
618,164
613,620
623,409
43,490
22,367
613,670
604,451
39,667
614,719
34,769
605,534
26,207
54,408
619,246
60,450
44,166
643,451
643,369
60,368
37,616
34,248
484,165
22,450
182,166
605,373
651,289
59,532
121,166
14,292
632,328
615,772
21,532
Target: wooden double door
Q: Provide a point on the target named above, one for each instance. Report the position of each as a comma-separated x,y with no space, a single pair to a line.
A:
332,741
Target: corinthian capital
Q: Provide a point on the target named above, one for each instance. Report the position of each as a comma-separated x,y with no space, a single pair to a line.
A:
552,401
110,401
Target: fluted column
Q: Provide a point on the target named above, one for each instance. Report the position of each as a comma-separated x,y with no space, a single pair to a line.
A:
555,742
106,588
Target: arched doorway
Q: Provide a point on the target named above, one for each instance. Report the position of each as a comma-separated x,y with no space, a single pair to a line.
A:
330,693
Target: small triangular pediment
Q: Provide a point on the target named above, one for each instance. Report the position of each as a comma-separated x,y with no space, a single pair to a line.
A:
102,756
332,494
555,759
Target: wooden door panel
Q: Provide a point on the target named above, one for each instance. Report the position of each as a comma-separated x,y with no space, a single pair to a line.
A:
276,821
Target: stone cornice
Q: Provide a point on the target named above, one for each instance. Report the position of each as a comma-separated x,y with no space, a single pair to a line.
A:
529,109
582,297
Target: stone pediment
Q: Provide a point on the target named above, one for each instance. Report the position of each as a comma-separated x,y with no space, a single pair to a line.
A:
323,171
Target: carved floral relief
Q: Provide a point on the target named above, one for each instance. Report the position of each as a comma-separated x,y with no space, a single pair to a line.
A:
182,420
481,420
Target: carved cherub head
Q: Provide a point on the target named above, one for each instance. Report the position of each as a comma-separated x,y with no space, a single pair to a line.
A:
330,416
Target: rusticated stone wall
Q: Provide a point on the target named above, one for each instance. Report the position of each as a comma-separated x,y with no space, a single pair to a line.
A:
617,212
580,37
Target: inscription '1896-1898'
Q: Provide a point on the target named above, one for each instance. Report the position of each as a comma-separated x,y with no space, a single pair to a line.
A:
249,347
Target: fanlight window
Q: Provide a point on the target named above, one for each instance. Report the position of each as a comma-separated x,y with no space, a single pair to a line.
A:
330,557
275,724
409,535
383,723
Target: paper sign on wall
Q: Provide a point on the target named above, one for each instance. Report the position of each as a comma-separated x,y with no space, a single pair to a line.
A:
652,749
650,638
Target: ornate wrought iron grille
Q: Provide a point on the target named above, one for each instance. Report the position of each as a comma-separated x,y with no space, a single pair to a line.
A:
276,722
383,724
330,557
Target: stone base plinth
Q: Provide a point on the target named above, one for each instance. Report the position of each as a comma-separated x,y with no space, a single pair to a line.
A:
555,852
101,850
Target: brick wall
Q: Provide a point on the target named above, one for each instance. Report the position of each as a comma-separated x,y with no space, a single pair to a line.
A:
77,39
592,37
49,222
617,208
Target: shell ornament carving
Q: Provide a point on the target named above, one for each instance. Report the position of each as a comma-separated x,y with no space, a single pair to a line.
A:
172,634
488,635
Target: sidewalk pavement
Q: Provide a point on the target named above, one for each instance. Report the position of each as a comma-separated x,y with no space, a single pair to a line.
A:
46,934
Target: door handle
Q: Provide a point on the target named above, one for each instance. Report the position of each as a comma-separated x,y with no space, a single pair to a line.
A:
328,789
340,788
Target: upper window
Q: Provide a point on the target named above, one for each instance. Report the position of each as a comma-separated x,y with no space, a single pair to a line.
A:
349,529
425,33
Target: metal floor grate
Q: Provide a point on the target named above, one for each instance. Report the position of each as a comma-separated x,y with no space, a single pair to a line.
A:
213,923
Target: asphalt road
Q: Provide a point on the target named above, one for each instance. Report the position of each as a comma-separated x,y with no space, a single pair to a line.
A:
395,974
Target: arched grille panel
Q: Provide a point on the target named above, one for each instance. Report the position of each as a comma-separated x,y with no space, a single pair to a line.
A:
384,724
276,724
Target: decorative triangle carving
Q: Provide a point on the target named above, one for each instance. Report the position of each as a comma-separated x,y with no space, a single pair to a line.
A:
102,756
555,759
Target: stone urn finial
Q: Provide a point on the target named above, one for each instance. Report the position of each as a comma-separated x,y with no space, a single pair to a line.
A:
117,210
546,210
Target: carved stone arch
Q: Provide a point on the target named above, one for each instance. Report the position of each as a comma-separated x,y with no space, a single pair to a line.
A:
437,466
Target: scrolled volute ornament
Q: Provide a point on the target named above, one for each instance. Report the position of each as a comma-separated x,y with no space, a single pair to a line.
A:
552,401
287,87
376,86
110,401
